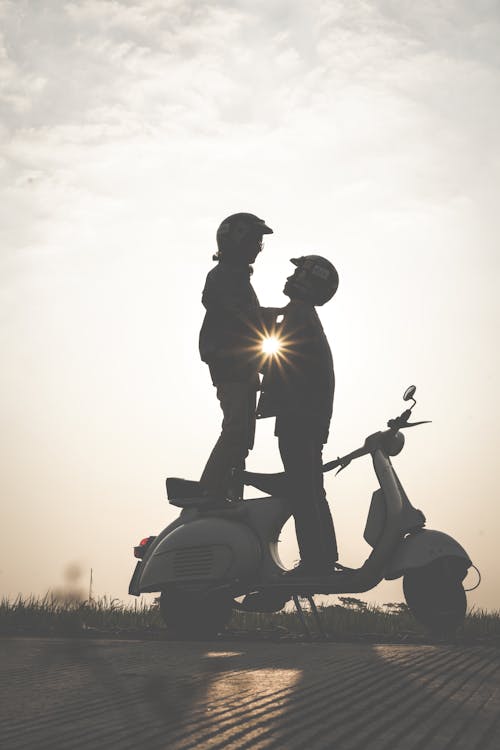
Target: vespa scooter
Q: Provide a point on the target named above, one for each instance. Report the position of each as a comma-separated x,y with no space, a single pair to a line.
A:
210,556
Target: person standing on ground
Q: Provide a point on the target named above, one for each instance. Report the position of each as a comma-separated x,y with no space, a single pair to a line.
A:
298,388
230,344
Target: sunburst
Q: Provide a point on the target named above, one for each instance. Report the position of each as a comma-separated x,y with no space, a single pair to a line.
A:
271,345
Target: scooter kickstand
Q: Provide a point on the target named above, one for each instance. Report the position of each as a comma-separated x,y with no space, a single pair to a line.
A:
302,619
317,618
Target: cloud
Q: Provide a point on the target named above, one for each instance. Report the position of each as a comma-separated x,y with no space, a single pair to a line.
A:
18,89
98,92
207,66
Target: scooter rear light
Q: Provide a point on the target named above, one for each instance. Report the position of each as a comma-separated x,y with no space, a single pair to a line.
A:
141,548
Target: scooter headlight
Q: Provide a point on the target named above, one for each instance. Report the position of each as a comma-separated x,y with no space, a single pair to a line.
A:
393,443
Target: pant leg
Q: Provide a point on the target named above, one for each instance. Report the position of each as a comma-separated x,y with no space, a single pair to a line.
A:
237,401
301,454
327,526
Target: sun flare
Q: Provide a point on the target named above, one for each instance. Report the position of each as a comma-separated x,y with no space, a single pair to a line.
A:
271,345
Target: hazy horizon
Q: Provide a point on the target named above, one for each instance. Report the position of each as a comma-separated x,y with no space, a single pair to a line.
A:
365,132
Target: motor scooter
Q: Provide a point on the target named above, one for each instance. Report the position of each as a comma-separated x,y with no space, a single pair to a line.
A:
216,558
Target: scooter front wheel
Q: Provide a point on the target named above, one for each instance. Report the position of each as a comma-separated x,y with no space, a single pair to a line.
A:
435,595
195,614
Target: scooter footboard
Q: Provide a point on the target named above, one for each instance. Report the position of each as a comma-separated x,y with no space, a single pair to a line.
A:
421,548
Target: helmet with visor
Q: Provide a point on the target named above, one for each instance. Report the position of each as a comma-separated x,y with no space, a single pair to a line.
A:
315,279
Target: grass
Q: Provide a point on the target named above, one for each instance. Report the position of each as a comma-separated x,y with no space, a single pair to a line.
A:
353,619
350,619
53,615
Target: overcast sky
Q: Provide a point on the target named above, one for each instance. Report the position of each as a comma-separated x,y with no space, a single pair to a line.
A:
367,132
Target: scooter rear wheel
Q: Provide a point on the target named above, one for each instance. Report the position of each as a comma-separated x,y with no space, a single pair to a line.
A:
436,596
195,614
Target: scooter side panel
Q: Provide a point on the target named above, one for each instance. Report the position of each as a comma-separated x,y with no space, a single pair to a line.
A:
203,550
134,585
420,548
376,518
410,518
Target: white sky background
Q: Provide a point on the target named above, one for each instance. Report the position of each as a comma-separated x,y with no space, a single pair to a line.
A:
364,131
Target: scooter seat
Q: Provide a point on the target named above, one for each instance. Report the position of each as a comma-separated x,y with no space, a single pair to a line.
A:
181,488
186,493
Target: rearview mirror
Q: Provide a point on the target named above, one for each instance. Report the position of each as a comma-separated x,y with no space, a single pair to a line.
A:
409,393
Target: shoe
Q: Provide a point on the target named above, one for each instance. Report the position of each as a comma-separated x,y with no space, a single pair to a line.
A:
338,568
304,570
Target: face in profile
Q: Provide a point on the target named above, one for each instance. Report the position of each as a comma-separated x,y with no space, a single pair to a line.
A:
290,289
251,246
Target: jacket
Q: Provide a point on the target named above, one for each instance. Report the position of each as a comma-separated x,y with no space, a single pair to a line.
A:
230,335
299,382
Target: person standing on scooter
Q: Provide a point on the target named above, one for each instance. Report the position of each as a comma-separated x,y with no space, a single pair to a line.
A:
229,344
298,388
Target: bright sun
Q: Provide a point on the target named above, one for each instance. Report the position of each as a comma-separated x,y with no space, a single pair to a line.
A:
270,345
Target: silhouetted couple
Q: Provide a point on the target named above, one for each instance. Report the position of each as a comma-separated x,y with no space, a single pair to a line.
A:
297,386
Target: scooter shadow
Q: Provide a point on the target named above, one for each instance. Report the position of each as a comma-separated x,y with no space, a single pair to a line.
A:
227,694
325,695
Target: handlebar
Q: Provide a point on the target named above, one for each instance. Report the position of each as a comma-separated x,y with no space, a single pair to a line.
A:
344,461
394,425
276,483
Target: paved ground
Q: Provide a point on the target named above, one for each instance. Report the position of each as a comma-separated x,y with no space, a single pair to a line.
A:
63,693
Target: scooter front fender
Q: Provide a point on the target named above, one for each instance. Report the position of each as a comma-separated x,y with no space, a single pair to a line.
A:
202,551
421,548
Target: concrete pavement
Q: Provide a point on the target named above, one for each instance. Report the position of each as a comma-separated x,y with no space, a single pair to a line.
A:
79,693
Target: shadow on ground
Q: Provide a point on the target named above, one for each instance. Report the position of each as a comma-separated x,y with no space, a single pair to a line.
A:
78,693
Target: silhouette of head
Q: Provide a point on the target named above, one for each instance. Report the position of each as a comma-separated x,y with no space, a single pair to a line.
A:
239,238
315,280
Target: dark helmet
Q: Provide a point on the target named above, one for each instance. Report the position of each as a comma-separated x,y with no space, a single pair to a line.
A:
236,229
316,280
